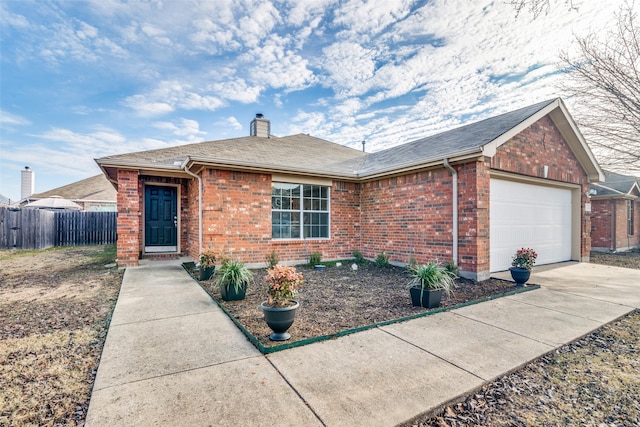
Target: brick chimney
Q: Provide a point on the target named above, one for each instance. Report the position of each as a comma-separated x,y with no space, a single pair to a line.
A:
27,182
260,127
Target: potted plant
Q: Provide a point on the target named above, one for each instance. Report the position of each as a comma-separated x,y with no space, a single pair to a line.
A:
280,308
233,279
428,282
207,265
522,263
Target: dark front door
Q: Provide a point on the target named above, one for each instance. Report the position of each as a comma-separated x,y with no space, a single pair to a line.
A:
160,219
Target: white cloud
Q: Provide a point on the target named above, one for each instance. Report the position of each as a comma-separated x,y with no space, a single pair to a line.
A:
170,95
186,128
12,119
229,123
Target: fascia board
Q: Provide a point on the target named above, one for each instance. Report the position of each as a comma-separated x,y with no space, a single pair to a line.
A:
490,149
570,132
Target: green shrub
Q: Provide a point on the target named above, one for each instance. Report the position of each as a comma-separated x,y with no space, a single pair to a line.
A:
451,268
315,258
357,255
272,259
431,276
234,273
382,259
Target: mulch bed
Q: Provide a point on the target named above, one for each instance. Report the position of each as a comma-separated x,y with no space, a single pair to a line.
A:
339,298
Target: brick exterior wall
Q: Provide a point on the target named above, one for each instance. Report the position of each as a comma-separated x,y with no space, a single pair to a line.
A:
609,216
128,223
237,219
541,144
601,216
409,215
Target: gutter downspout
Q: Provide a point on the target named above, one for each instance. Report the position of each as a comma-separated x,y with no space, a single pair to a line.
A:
454,175
199,178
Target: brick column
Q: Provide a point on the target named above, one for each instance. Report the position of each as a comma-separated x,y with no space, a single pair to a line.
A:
473,210
129,232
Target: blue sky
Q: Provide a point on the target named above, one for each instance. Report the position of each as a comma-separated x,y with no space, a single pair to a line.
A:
87,79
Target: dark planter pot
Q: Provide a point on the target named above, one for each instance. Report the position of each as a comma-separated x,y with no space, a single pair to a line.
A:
520,275
206,273
279,320
430,297
230,293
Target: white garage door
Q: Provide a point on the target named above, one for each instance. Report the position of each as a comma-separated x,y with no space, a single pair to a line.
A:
526,215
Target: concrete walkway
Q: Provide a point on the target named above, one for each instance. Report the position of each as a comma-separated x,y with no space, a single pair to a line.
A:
172,357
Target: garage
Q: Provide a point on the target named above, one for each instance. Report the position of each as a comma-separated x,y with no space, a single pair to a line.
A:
529,215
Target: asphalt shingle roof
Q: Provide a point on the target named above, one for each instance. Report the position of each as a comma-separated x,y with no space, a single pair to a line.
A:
463,140
94,188
304,153
615,184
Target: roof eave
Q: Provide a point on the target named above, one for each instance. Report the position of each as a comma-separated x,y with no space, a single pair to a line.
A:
257,167
454,158
560,116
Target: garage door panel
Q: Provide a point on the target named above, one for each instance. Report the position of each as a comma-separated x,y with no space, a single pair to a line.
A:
526,215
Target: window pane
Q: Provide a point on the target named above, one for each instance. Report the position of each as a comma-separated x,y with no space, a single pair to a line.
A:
323,219
324,192
307,204
323,205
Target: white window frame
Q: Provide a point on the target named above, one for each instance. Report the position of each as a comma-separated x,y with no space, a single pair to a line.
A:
301,211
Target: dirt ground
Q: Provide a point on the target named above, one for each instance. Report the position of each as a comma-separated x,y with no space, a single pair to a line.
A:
55,307
340,298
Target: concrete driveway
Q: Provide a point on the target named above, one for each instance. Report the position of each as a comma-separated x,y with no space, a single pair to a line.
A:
173,358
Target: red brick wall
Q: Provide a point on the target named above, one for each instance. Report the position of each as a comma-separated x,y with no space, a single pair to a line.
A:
237,219
473,222
601,215
541,144
129,232
409,215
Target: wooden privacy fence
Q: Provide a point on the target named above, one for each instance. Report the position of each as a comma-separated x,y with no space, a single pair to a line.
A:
40,229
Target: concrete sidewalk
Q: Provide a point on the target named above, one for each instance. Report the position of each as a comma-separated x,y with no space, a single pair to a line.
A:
172,357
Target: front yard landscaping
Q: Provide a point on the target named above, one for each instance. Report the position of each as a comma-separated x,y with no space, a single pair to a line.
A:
55,307
338,299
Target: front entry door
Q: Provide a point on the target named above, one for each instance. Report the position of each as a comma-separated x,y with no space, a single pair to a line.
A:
160,219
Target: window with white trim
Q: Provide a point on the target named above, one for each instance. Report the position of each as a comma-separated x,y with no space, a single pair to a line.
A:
299,211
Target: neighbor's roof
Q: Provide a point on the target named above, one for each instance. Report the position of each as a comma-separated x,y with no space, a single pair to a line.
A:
616,185
304,154
96,188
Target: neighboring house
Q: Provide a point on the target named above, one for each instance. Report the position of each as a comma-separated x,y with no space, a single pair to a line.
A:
4,201
92,194
474,194
615,213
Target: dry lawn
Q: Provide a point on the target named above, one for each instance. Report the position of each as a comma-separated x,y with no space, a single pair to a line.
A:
55,306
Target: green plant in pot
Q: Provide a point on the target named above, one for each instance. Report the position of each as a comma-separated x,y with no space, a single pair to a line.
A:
428,282
521,266
280,308
207,265
233,279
